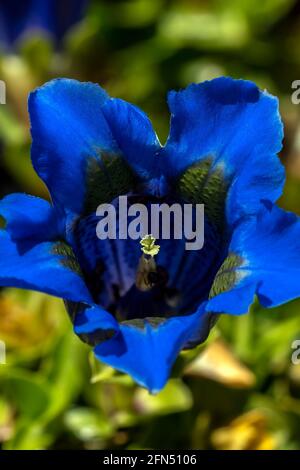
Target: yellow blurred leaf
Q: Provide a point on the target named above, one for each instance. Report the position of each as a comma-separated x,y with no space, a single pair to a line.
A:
247,432
218,363
28,319
6,421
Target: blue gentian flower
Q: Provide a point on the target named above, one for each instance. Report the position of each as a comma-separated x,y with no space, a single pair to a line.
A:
54,17
89,148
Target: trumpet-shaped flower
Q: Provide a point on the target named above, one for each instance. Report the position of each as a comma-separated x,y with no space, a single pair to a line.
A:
89,149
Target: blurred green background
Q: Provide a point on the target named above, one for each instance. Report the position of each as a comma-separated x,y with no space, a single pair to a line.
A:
239,390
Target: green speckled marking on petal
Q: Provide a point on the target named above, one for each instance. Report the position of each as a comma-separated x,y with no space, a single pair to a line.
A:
67,256
192,180
202,184
106,179
227,276
139,323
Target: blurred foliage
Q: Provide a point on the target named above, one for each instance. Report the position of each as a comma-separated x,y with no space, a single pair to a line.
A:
239,390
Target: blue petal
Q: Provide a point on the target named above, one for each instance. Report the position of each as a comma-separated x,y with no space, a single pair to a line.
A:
239,128
30,220
148,354
67,128
92,318
94,325
269,246
40,268
73,123
134,134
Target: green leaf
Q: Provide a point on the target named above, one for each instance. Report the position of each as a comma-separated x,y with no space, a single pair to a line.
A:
106,374
88,424
175,397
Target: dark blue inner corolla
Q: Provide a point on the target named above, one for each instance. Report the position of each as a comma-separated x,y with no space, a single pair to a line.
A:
54,17
183,278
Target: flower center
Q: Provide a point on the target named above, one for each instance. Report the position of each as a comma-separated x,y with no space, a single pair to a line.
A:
146,278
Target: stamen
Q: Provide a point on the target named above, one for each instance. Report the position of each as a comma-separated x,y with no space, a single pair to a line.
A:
148,245
147,269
